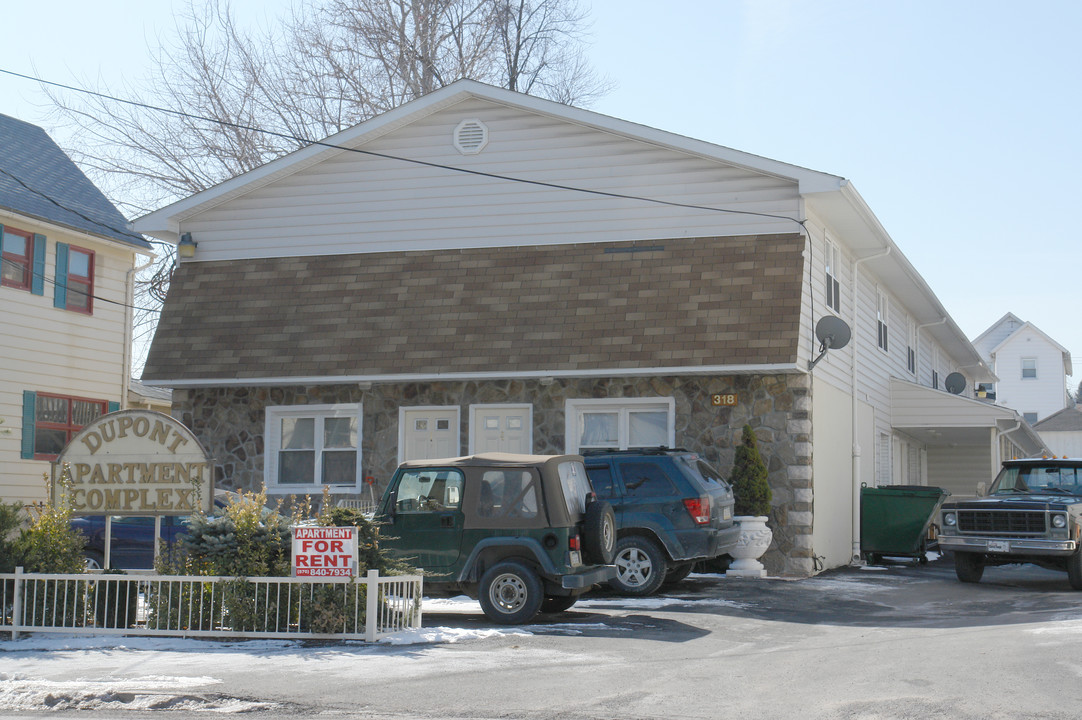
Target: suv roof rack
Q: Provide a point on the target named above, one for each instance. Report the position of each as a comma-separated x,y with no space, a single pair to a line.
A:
659,450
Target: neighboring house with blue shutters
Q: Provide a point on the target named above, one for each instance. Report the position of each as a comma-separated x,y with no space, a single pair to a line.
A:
66,289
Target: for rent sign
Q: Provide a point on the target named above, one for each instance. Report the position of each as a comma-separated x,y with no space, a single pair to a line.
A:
324,551
135,462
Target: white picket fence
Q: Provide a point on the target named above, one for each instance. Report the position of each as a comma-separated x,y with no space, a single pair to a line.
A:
364,608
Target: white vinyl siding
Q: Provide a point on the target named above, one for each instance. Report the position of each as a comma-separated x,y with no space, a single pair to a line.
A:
50,350
1027,353
352,203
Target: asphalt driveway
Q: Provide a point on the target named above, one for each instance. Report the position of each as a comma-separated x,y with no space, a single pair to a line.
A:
898,642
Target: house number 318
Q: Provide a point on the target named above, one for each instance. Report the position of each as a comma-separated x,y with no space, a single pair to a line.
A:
723,399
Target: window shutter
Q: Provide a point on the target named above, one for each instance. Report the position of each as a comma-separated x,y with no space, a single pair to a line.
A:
114,406
37,280
30,404
60,287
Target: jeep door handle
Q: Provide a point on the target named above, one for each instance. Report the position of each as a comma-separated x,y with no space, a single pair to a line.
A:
447,521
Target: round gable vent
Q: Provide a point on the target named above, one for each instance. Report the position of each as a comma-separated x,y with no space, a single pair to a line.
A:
471,136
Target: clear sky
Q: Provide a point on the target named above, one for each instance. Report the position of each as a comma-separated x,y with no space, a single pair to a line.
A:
958,121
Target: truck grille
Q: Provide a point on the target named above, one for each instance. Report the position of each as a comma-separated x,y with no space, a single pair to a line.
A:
1011,523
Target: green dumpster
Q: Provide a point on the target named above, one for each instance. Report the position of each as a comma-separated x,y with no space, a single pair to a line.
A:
894,520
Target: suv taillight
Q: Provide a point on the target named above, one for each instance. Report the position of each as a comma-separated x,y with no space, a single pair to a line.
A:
699,509
573,543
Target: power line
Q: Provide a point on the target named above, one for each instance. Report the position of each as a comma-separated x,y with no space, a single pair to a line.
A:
386,156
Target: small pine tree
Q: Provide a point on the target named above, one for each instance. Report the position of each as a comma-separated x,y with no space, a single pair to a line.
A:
750,487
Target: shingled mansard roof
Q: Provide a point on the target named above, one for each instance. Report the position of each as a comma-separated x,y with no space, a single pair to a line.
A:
29,155
568,309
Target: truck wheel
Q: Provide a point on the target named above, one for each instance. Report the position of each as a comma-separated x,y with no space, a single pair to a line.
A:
599,533
510,593
553,604
1074,570
640,566
968,566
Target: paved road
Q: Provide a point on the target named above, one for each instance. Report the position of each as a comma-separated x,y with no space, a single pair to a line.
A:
905,642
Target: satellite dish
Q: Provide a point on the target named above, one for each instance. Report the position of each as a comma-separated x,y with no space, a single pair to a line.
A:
833,333
955,383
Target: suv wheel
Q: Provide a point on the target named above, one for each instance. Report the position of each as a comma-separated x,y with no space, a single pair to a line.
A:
640,566
968,567
599,533
510,593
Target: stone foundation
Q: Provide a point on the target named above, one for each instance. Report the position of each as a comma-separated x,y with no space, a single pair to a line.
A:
230,424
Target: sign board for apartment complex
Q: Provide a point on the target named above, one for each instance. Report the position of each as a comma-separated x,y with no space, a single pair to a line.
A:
134,462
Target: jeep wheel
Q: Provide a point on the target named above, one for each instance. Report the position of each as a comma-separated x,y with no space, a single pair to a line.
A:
968,566
553,604
640,566
510,593
599,533
677,573
1074,570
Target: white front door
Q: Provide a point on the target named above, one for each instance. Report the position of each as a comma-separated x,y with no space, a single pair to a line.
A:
501,428
428,432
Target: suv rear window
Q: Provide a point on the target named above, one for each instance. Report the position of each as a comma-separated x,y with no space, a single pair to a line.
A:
576,487
693,467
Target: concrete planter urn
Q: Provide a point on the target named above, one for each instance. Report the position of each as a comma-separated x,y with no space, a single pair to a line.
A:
755,538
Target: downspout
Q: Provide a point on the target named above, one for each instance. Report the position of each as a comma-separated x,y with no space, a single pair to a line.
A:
856,406
129,331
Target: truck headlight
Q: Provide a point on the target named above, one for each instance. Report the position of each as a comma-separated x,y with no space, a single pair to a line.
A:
950,519
1059,521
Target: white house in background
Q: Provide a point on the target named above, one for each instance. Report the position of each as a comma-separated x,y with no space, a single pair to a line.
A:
65,306
1032,368
1062,432
484,270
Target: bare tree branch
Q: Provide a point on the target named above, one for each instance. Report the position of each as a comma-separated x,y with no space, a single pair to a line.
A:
322,70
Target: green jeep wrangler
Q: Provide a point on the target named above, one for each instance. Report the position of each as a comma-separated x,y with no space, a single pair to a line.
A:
522,534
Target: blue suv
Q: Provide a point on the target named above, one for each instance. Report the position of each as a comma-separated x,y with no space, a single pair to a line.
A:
672,511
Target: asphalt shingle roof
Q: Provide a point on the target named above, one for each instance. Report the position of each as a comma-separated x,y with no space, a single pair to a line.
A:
1068,419
684,302
34,169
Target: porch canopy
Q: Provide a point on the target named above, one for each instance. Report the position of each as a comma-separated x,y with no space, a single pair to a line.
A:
964,439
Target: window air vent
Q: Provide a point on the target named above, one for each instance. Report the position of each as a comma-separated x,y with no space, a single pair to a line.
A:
471,136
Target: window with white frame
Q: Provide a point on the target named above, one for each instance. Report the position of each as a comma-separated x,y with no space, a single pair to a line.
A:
311,446
911,350
1029,368
833,287
882,314
620,423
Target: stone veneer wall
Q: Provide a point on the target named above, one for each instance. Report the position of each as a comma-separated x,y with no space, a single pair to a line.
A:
230,423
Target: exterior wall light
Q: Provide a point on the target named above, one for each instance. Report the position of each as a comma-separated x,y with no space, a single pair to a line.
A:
186,247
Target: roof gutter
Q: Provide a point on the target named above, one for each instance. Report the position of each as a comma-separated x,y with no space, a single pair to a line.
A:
541,376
